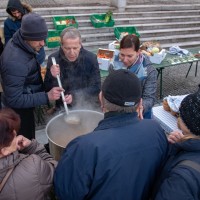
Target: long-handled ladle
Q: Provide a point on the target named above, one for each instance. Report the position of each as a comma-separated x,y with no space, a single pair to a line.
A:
70,119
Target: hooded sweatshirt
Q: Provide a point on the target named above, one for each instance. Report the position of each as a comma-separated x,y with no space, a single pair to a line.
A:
11,24
16,5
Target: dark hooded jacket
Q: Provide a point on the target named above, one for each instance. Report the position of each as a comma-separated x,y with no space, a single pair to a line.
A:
11,24
20,73
32,177
177,181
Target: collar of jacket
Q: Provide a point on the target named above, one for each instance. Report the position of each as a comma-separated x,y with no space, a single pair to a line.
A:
18,40
114,119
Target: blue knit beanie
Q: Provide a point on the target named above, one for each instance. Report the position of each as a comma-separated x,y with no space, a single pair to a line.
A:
33,27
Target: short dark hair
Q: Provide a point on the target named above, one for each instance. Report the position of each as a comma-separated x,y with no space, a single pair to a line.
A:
13,9
130,41
9,121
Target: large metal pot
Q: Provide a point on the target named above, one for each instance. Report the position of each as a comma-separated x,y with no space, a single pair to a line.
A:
60,133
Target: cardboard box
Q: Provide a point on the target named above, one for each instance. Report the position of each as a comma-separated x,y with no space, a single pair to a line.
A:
105,57
157,58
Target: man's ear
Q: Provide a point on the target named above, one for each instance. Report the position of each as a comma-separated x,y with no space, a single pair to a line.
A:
100,97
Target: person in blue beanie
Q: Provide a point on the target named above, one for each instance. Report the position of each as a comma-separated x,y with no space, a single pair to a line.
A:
121,157
16,10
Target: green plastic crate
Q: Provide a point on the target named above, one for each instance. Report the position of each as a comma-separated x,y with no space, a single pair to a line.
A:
59,22
97,21
53,39
129,30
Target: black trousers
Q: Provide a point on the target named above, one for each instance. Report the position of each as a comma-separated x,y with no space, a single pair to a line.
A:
27,128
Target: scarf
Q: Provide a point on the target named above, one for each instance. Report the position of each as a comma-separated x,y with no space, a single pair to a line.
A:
138,67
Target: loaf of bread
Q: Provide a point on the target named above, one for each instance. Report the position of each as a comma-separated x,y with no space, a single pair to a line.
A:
167,108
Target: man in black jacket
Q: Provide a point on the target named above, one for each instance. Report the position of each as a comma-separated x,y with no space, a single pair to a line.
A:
20,72
78,69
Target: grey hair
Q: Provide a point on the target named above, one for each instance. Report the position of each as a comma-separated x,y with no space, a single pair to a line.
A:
113,107
70,32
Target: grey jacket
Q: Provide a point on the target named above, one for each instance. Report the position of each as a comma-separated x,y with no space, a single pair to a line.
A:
32,176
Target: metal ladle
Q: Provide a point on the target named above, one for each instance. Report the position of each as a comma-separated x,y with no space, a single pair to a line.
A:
70,119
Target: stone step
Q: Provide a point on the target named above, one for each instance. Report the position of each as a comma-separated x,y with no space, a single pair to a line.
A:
143,33
161,7
141,25
73,10
183,44
156,26
166,32
173,38
167,23
144,10
136,15
97,37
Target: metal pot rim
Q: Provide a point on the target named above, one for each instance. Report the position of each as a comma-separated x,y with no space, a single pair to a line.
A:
72,111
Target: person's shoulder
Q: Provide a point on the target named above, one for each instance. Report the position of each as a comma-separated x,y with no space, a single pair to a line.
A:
8,20
54,54
83,141
32,163
151,123
88,53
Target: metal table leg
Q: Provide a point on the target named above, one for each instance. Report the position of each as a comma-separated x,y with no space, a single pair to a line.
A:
196,69
189,70
160,70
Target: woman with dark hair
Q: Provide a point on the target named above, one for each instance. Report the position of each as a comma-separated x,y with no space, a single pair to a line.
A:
132,59
26,169
180,177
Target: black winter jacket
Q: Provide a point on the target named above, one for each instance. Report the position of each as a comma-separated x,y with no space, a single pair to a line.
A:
21,78
80,78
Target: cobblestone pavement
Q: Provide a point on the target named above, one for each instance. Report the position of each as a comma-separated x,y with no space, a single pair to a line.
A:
175,82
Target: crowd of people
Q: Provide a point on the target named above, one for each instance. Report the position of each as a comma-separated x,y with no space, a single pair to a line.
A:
127,156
